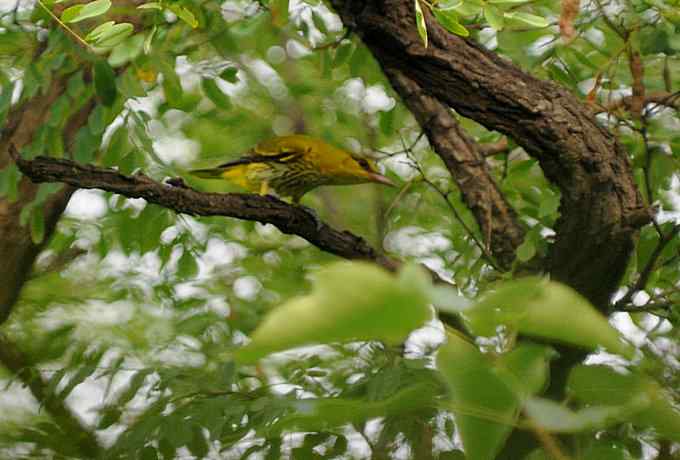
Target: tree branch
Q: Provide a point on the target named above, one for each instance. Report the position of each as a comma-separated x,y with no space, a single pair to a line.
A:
464,159
290,219
601,208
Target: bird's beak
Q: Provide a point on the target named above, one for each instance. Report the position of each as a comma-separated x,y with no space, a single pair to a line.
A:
380,179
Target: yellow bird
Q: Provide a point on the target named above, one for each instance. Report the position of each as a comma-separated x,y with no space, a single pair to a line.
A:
294,165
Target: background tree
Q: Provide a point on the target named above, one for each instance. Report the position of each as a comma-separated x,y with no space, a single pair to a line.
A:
528,138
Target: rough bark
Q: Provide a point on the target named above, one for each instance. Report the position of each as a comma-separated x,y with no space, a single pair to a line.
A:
601,209
464,159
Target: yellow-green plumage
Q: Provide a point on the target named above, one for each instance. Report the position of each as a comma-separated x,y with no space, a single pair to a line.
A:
294,165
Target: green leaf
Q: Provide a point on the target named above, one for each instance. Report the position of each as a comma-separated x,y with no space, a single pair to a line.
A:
186,265
215,94
105,82
507,2
528,366
37,225
319,23
279,12
494,17
386,122
555,417
172,87
343,53
230,74
449,20
111,35
604,386
486,407
537,307
380,306
526,250
183,13
527,18
420,23
127,50
79,13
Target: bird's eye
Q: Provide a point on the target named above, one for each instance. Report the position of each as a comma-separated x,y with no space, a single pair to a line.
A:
363,163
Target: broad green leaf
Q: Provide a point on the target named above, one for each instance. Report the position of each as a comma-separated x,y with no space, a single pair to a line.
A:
527,18
379,306
215,94
449,20
538,307
485,406
183,13
321,414
105,82
127,50
97,32
507,2
343,53
555,417
172,86
420,23
113,35
494,17
468,8
526,250
602,385
79,13
528,366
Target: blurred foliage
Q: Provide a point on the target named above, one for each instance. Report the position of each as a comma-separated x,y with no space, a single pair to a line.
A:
134,315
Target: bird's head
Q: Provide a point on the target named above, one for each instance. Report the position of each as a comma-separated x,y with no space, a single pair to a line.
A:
356,170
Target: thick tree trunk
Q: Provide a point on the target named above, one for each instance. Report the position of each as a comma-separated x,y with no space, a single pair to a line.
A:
601,208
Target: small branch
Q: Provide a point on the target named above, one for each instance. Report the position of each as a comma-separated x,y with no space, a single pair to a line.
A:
647,270
662,98
494,148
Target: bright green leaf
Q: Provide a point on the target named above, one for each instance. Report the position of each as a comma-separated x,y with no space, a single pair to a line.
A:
449,20
494,17
555,417
79,13
485,406
215,94
151,6
420,23
183,13
380,306
527,18
604,386
538,307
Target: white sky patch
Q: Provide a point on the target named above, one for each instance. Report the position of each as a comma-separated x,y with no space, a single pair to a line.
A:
247,287
267,77
105,313
87,205
218,252
376,99
297,50
414,241
595,35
